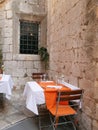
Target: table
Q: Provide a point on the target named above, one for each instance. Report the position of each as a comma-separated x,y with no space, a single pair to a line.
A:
34,95
6,85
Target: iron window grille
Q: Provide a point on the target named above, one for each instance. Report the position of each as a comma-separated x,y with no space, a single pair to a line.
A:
29,33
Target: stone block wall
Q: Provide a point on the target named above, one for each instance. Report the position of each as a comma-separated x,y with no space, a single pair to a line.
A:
72,35
20,67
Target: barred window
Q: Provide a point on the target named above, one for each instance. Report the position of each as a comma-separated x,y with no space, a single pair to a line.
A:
29,32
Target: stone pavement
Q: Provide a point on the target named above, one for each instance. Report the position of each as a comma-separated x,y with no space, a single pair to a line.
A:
14,110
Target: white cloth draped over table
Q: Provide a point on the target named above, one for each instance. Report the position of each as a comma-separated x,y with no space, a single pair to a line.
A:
72,87
34,96
6,85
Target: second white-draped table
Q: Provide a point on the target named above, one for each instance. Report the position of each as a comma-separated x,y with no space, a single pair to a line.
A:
6,85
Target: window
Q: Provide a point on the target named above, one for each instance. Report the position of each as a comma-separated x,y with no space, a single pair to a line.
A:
29,32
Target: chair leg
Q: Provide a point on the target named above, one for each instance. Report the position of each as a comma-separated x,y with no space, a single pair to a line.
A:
43,117
76,122
52,122
73,121
56,122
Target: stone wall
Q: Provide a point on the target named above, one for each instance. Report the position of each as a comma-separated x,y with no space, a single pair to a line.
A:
72,35
20,67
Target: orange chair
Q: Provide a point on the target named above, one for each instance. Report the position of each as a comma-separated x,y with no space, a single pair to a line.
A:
60,113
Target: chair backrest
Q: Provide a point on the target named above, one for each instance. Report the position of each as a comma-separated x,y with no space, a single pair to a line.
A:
73,95
37,76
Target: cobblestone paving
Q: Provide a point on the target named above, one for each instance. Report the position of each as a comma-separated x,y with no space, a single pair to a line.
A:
14,110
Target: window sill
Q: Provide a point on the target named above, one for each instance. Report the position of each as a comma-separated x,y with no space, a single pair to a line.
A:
26,57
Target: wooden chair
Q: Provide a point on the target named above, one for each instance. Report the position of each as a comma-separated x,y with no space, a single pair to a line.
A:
61,113
37,76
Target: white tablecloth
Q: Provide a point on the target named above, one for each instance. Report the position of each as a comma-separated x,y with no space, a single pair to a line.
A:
72,87
6,85
34,95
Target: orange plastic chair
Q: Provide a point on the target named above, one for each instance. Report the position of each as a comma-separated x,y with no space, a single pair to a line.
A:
61,111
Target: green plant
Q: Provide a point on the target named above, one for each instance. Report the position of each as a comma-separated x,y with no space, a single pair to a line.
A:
44,55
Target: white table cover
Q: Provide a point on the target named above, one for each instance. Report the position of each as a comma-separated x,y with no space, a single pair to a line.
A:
6,85
34,96
72,87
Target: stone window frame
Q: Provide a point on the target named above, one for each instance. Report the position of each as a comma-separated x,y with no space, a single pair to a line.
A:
16,34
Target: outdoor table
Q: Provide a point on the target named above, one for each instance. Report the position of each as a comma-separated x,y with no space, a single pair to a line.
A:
34,93
6,85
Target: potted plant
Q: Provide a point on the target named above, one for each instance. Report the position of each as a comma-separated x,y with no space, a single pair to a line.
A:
44,55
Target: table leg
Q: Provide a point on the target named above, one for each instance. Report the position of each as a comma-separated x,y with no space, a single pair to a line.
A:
1,101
